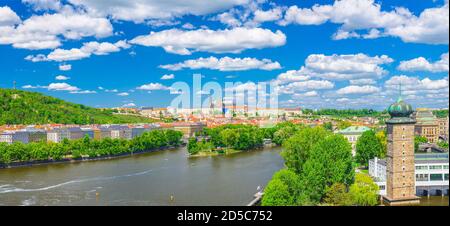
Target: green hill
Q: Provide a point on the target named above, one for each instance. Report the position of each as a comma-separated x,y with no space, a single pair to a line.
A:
21,107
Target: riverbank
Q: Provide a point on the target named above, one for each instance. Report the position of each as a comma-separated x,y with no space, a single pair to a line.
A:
78,160
227,152
215,153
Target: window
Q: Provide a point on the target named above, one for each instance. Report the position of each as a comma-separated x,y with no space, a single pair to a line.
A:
446,177
436,177
436,167
445,166
421,167
421,177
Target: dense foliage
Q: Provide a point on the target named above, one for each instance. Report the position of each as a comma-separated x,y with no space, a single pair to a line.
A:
21,107
441,113
237,137
368,147
297,149
418,140
318,159
345,112
19,152
364,192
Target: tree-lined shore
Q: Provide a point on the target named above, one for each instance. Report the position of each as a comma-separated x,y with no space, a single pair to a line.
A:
77,149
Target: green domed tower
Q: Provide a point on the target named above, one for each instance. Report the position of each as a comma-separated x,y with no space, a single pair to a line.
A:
400,112
400,166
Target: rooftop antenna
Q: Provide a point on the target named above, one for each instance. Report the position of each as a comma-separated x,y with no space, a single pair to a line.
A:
400,98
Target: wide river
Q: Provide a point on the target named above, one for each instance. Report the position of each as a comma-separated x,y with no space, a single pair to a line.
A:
147,179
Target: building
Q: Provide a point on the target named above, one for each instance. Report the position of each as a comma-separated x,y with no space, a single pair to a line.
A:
352,134
431,174
400,168
443,128
76,133
120,132
58,135
35,135
427,124
189,129
10,137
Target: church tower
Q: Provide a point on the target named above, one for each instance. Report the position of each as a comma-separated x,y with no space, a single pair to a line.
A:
400,172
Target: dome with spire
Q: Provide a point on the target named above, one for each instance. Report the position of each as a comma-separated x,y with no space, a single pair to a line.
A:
400,111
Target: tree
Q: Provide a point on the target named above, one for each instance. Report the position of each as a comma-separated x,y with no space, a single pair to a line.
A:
282,190
364,192
298,148
328,126
343,124
382,138
419,140
368,147
330,162
337,195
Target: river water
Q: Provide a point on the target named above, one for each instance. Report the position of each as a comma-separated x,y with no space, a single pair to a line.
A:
147,179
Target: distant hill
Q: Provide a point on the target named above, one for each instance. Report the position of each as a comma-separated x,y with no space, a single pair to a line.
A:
22,107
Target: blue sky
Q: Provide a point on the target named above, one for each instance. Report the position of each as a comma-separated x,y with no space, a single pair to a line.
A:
343,54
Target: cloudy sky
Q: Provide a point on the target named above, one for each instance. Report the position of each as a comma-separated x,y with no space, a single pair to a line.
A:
341,54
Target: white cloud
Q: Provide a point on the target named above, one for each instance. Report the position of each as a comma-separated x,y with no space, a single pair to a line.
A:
61,78
269,15
430,27
45,31
44,4
416,84
123,94
362,82
142,10
225,64
8,17
168,77
291,88
358,90
292,76
307,94
62,87
65,67
111,90
338,67
89,48
216,41
314,16
152,86
188,26
422,64
129,105
83,92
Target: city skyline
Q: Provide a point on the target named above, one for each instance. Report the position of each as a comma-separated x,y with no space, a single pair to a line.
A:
322,54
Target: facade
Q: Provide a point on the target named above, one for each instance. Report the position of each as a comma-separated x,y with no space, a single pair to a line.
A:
77,133
427,125
189,129
10,137
431,174
400,168
443,128
120,132
352,134
58,135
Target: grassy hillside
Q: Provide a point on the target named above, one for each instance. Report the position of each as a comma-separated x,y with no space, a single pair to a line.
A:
21,107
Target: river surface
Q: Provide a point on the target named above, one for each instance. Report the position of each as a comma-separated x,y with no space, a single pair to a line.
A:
147,179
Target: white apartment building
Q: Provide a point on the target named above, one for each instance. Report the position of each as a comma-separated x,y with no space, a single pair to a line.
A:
432,171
